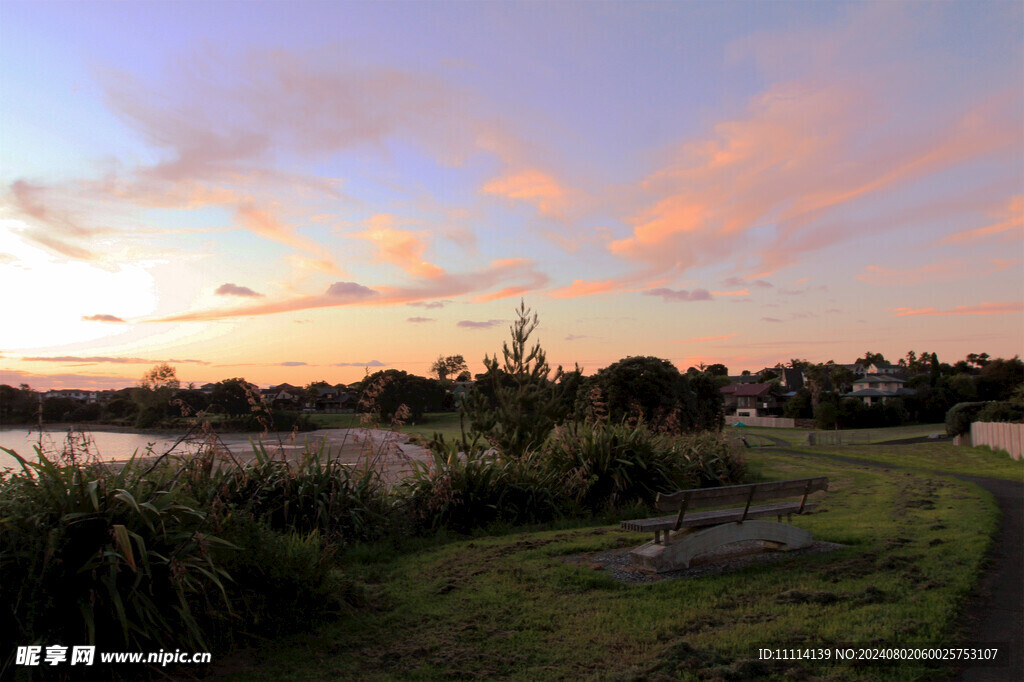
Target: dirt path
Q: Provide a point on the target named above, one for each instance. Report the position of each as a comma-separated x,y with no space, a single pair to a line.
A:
994,613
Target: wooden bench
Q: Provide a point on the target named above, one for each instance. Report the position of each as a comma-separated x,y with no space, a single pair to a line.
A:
682,536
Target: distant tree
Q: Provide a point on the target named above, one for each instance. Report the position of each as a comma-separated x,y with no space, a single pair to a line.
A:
191,401
652,388
235,398
799,406
978,360
160,376
17,405
870,359
464,375
999,378
717,370
643,386
58,409
385,392
154,395
446,366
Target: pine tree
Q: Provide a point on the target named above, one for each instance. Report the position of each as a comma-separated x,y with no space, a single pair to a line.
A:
515,405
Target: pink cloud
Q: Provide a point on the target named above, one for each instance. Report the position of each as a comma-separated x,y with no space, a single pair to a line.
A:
102,318
767,184
399,247
680,295
534,187
581,287
351,293
980,309
264,223
947,269
236,290
77,359
471,324
1009,223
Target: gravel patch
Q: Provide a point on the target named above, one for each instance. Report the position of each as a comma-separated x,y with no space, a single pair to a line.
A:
616,563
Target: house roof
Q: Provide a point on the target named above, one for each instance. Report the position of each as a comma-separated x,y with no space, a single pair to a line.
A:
878,379
745,390
794,378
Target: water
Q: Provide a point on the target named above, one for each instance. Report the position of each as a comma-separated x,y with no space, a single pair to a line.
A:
107,445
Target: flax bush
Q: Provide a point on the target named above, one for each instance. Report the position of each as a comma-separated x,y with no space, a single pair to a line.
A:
606,466
109,557
467,485
343,503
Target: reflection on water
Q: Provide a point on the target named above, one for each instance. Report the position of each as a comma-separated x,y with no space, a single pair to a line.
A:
112,445
106,445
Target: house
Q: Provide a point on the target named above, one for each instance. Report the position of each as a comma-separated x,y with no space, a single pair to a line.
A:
333,399
283,396
879,368
73,394
748,400
882,369
877,388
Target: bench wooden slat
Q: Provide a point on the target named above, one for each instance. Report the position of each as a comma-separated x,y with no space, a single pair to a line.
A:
713,518
740,494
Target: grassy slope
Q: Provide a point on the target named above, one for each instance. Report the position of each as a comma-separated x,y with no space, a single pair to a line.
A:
507,608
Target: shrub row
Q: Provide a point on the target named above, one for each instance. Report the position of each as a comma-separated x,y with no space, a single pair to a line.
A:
582,468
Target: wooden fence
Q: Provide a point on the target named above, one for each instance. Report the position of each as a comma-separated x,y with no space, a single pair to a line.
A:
999,436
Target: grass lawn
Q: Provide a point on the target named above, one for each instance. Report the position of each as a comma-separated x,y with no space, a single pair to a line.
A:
799,436
507,607
446,423
938,456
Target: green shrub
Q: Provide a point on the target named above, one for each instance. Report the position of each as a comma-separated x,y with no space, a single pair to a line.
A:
280,582
1001,411
960,416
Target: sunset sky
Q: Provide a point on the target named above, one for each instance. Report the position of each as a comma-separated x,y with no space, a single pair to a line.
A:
294,191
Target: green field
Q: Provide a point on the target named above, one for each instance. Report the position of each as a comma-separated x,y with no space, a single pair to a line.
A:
799,436
446,423
509,607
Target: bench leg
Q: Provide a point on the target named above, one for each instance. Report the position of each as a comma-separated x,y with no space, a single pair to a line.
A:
660,558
